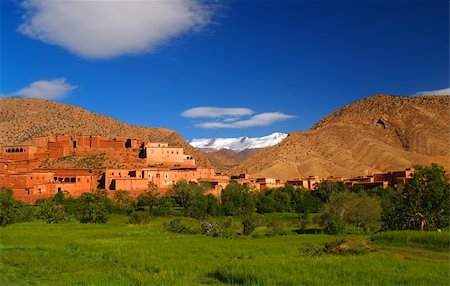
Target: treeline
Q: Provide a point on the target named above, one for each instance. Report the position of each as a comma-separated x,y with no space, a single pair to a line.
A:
421,204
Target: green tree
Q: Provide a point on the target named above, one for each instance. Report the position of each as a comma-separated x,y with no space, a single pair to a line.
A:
51,211
123,202
325,189
237,199
9,207
191,197
346,207
424,202
92,209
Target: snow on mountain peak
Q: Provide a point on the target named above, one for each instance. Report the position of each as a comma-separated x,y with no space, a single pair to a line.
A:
238,144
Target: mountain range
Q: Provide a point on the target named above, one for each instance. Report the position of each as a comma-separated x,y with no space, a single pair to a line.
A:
238,144
375,134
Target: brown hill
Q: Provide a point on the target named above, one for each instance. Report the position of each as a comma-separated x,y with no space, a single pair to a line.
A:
376,134
225,160
22,119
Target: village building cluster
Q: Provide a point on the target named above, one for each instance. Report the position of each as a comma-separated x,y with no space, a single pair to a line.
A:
20,170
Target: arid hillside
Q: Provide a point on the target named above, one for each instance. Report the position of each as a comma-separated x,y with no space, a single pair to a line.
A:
22,119
375,134
225,160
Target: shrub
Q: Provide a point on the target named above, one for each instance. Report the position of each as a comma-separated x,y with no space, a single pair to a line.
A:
347,207
344,247
311,250
248,224
303,221
92,209
214,228
139,217
12,210
51,212
275,227
178,226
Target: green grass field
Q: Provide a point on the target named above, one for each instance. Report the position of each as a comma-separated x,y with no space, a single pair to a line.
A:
115,253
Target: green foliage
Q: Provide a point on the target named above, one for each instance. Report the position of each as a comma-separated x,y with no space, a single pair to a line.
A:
248,224
51,211
92,208
309,202
345,207
123,202
326,189
237,199
139,217
424,202
303,221
178,226
217,228
154,204
345,247
311,250
276,227
191,198
12,210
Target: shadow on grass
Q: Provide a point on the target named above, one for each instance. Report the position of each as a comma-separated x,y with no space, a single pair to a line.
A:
308,231
225,276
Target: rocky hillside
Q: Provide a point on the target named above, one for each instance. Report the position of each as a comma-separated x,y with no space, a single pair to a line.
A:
22,119
375,134
225,160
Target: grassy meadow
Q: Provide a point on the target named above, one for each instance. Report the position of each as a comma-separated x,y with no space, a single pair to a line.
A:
115,253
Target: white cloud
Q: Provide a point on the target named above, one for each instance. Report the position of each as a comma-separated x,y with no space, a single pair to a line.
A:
262,119
110,28
216,112
49,89
444,91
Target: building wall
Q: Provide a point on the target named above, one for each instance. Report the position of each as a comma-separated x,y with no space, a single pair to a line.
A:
19,152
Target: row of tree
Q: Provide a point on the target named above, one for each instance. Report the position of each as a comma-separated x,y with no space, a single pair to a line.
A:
421,204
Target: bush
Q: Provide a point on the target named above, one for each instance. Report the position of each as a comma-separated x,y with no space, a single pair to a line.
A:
12,210
178,226
92,209
214,228
139,217
344,247
345,207
311,250
303,221
51,212
248,224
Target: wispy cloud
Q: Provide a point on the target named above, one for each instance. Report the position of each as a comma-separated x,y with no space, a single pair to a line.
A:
104,29
262,119
216,112
444,91
239,117
48,89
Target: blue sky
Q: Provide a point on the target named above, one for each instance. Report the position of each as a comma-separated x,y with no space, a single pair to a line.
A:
222,69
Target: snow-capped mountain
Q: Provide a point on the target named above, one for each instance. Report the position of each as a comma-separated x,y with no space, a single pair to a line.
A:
238,144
